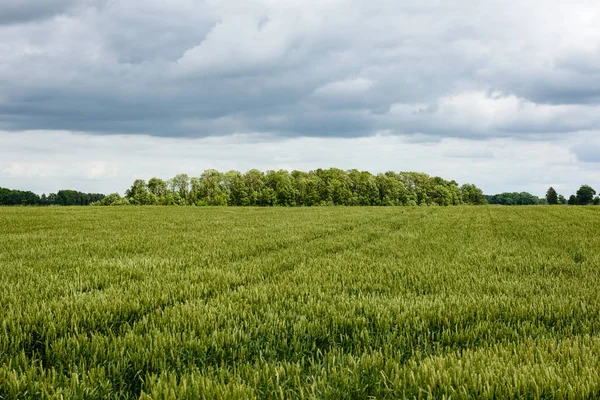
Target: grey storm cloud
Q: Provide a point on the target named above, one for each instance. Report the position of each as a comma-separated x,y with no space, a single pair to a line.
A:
334,68
20,11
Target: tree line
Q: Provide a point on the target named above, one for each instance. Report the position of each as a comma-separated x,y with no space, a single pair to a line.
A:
320,187
10,197
586,195
282,188
514,199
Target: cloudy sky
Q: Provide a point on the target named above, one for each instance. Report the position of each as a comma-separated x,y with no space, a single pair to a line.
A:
96,93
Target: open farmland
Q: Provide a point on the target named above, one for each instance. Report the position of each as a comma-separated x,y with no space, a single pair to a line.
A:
332,302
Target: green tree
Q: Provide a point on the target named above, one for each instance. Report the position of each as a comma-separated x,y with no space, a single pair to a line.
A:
181,184
194,193
420,187
267,197
306,188
138,193
441,196
212,190
515,199
551,196
254,181
281,183
17,197
238,193
391,189
573,200
561,199
472,195
365,191
109,200
157,187
585,195
319,187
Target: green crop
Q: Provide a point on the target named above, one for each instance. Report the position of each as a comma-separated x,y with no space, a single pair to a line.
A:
271,303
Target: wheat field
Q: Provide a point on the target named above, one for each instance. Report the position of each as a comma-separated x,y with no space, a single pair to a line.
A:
299,303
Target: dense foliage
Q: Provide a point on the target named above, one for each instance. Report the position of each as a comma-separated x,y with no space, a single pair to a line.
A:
315,188
270,303
61,198
552,197
515,199
282,188
583,197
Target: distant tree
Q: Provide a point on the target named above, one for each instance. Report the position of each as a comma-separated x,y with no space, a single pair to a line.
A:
51,198
138,193
392,191
75,198
267,197
157,187
239,193
331,186
307,188
62,198
254,181
17,197
561,199
281,183
336,188
212,191
195,189
585,195
573,200
515,199
596,201
551,196
180,184
472,195
110,200
123,201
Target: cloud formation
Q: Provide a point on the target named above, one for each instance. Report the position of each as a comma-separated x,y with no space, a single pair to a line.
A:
96,93
291,68
46,161
18,11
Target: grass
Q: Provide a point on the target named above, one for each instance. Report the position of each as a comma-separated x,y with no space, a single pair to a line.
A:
332,302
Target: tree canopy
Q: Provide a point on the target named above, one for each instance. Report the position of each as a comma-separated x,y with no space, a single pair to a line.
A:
515,199
551,196
10,197
297,188
585,195
320,187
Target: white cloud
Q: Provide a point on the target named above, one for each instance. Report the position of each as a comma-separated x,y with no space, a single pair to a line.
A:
91,66
236,44
477,113
274,81
49,161
345,87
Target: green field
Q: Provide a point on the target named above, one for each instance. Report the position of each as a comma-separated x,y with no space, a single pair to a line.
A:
331,302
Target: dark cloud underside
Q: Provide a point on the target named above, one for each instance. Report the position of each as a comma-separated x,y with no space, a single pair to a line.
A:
345,68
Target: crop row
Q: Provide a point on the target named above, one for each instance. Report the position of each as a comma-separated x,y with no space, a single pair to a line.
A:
299,303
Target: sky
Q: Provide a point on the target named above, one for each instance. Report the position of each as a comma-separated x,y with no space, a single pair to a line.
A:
97,93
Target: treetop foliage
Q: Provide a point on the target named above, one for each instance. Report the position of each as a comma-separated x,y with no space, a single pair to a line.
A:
552,196
61,198
584,196
320,187
515,199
